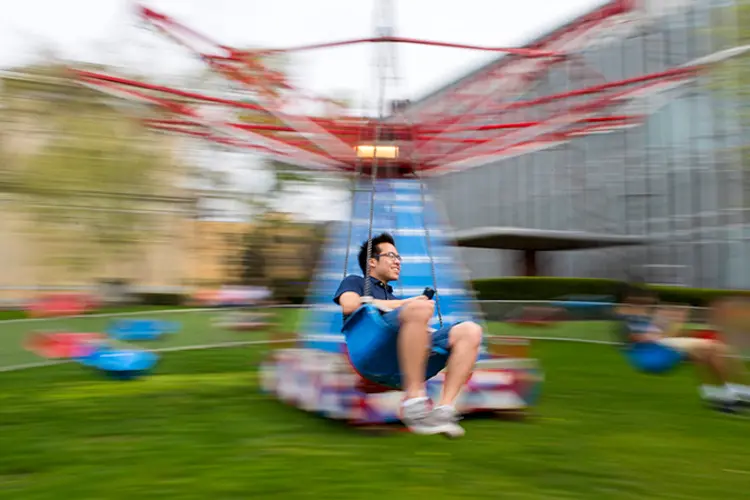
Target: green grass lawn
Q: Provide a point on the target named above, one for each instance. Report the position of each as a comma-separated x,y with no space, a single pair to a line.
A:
196,328
199,428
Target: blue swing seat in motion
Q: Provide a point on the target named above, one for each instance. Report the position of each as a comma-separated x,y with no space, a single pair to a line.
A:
141,329
365,322
371,348
120,364
650,358
653,359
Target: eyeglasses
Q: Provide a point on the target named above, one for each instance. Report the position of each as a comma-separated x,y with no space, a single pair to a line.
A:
390,255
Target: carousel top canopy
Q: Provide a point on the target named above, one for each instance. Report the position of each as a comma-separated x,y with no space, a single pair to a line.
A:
474,122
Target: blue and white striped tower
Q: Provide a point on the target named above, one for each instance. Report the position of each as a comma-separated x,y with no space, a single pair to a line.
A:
399,210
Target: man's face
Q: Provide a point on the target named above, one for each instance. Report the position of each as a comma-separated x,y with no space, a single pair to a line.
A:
386,263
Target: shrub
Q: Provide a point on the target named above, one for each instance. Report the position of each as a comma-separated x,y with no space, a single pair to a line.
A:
522,288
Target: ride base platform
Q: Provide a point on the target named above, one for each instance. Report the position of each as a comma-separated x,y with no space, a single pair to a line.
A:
505,379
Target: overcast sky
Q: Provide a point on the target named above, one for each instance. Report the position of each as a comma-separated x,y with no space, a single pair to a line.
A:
105,31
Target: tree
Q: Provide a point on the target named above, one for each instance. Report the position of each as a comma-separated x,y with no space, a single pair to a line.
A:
282,253
92,180
731,28
730,80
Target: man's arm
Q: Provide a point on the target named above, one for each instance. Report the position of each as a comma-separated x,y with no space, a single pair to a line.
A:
350,301
396,303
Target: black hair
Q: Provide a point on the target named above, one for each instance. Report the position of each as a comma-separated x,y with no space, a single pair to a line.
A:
376,241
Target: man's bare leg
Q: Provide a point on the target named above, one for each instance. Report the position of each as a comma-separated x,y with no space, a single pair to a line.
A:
706,372
413,351
728,373
413,344
712,374
464,341
734,370
706,357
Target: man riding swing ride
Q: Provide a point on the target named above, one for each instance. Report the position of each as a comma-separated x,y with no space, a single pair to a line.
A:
406,351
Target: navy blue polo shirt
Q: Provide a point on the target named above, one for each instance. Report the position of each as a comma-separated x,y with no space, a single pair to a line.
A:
638,325
356,284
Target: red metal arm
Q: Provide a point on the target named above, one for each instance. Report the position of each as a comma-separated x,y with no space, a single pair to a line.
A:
646,80
234,64
477,154
300,156
416,41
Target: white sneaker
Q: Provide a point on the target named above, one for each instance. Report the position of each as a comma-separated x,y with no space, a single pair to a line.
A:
740,391
420,418
719,398
415,414
445,420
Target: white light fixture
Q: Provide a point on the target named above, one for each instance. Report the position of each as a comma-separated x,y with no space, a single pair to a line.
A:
370,151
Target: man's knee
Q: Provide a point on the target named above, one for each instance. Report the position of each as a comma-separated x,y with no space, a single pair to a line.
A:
418,311
705,351
467,332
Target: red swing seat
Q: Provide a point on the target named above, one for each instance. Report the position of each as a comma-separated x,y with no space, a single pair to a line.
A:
61,345
60,305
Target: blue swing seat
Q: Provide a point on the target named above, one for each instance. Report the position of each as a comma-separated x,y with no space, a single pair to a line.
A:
141,329
119,364
365,320
372,338
654,359
650,358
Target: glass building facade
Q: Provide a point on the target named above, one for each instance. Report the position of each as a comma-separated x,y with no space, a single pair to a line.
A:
678,179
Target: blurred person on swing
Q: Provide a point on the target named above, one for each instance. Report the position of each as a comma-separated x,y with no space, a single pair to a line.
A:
658,340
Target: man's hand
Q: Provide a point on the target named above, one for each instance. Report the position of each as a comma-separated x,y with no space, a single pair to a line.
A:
418,297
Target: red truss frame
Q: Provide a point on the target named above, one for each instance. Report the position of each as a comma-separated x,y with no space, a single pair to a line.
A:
474,122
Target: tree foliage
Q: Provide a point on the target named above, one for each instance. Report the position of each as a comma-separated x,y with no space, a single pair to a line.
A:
731,28
282,254
90,178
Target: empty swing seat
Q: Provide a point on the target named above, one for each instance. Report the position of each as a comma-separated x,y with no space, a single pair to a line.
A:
61,345
140,329
119,364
